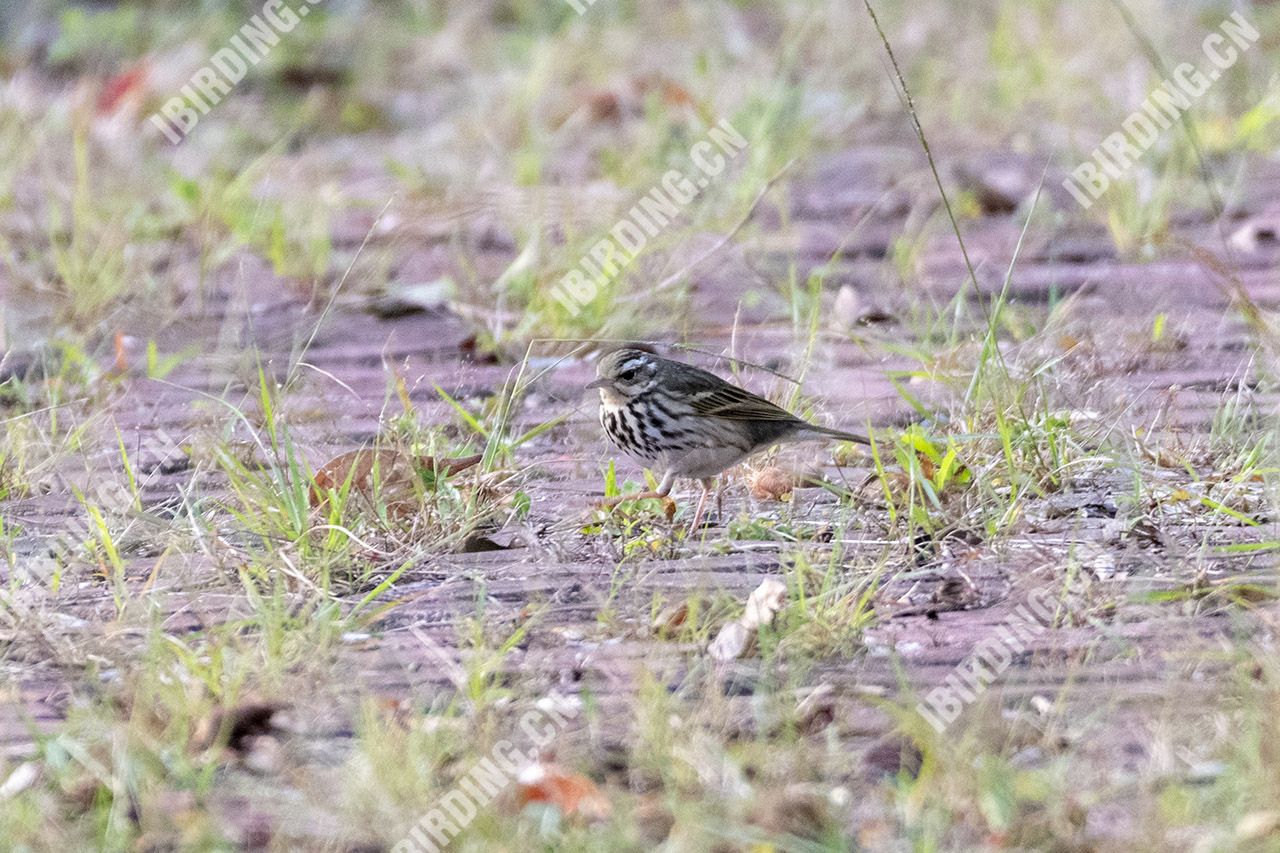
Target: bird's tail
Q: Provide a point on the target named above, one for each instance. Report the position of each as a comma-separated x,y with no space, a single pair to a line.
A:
840,434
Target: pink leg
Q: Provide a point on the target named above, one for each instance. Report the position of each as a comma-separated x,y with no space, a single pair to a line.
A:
702,504
662,493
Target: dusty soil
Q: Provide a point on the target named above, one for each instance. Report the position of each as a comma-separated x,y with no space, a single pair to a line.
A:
1139,662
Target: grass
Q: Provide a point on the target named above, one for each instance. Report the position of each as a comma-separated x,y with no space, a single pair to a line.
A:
153,596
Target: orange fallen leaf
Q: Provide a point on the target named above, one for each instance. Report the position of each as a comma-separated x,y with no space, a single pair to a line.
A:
668,623
676,95
571,793
120,87
121,347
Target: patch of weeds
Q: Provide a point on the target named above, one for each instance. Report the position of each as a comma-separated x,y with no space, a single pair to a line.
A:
50,425
15,475
694,619
991,775
1010,429
759,528
708,782
367,512
402,763
494,421
646,537
1236,759
289,228
828,609
635,522
407,756
21,147
138,765
100,244
1137,210
100,37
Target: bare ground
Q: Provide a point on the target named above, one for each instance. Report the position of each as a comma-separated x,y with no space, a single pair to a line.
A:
1123,669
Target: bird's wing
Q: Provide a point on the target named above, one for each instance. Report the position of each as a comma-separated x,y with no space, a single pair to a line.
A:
723,400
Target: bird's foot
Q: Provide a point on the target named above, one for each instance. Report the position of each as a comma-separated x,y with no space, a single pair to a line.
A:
668,502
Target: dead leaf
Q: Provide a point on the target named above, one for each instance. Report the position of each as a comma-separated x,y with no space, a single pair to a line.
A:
772,483
123,347
1067,343
764,604
847,309
926,466
396,472
668,622
571,793
736,639
124,86
676,95
776,484
604,105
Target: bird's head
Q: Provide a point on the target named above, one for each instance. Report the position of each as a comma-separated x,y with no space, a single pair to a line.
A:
625,374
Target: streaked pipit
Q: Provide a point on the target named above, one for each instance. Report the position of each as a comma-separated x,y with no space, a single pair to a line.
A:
686,422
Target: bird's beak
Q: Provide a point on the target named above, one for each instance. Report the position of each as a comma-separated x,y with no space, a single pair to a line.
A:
599,383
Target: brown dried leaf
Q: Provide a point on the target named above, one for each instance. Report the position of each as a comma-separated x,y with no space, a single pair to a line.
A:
397,472
772,484
926,466
776,484
571,793
668,622
130,84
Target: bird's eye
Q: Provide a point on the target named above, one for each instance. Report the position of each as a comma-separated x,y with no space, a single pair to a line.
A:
628,374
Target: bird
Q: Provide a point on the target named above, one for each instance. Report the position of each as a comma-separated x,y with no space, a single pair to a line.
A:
686,422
